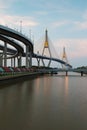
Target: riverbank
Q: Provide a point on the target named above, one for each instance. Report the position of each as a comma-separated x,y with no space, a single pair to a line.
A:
18,77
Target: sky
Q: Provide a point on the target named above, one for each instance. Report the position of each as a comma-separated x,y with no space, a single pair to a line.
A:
65,20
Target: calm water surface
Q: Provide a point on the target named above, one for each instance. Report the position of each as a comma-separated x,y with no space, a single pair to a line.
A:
45,103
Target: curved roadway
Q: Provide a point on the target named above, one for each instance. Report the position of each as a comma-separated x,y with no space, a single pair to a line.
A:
53,59
18,36
9,50
13,43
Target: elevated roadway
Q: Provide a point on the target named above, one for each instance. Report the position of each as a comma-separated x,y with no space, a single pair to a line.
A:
10,33
53,59
14,44
10,51
16,35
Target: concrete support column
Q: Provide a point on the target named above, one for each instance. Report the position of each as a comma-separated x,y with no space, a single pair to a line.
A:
1,59
81,73
30,59
19,60
14,61
5,54
38,62
43,63
11,62
27,53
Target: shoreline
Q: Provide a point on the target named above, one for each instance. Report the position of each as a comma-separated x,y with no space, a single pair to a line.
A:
17,78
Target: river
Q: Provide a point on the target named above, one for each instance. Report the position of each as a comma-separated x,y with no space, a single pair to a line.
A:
45,103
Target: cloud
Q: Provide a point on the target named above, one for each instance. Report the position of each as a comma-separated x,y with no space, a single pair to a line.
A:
84,15
12,21
6,4
41,12
60,23
75,48
77,25
81,25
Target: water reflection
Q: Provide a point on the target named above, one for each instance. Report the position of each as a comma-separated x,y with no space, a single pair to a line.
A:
15,104
66,85
44,103
37,84
47,85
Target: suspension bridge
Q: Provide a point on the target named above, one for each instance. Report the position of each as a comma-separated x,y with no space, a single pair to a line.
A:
17,48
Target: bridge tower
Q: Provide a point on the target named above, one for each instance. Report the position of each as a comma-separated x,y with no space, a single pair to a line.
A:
46,49
64,58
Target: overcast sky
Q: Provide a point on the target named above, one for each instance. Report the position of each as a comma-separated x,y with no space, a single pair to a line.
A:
66,21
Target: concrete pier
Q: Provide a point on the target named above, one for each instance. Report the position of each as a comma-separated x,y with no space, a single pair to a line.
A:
5,54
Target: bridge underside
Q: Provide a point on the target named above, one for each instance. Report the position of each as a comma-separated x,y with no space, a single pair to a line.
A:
12,37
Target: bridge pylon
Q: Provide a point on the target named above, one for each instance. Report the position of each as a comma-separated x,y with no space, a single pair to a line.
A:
64,58
46,49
